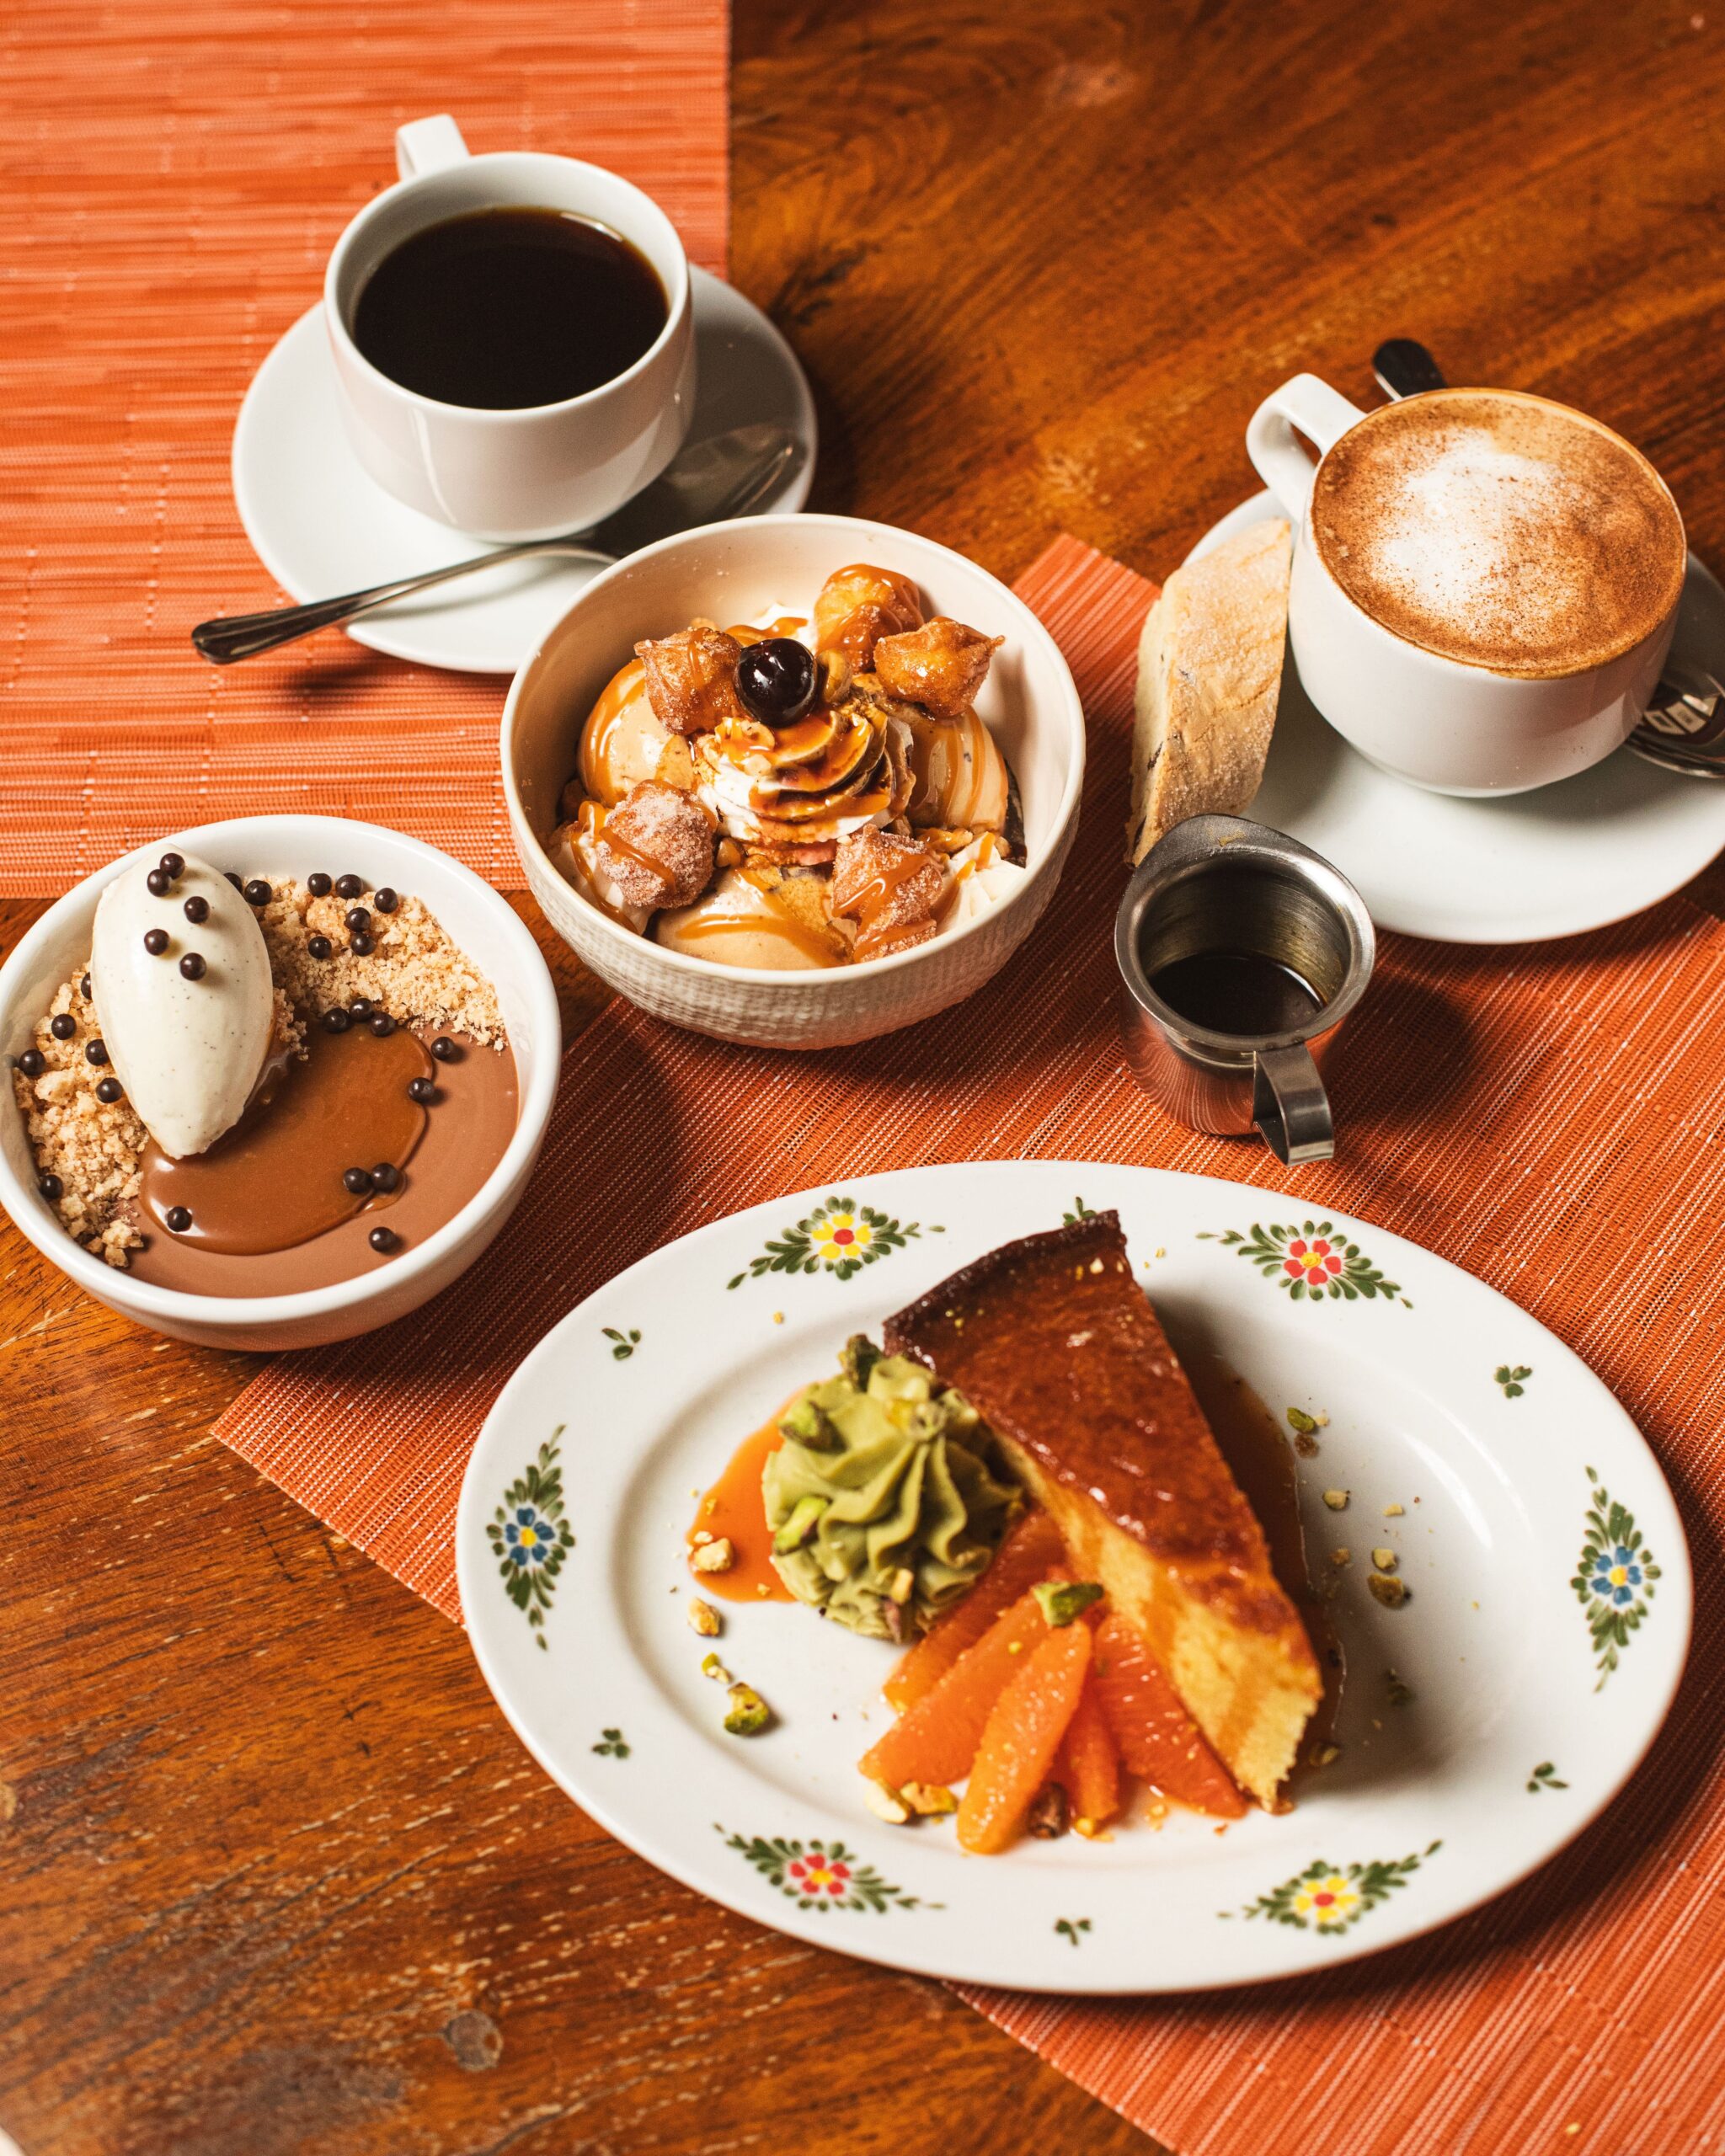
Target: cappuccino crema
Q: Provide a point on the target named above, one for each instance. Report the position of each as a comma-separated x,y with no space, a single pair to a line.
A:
1499,530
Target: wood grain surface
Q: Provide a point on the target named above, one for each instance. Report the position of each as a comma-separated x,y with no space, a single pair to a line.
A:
274,1874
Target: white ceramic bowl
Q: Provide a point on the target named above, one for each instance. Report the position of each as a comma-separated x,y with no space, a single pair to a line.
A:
730,571
484,926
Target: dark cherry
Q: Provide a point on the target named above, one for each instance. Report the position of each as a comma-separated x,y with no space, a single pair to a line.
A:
319,885
444,1048
197,908
361,946
777,681
358,1180
350,886
258,893
159,883
382,1024
192,965
109,1092
317,947
385,1176
173,866
336,1021
64,1027
95,1052
33,1063
384,1240
385,900
50,1187
155,942
418,1089
178,1218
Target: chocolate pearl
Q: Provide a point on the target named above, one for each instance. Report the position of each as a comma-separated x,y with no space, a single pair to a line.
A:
258,893
155,942
319,885
384,1240
33,1063
50,1187
357,919
421,1090
197,908
96,1051
83,988
335,1021
173,866
159,883
361,946
178,1218
109,1091
317,947
444,1048
385,900
358,1180
350,886
64,1027
360,1007
385,1176
192,966
233,880
382,1024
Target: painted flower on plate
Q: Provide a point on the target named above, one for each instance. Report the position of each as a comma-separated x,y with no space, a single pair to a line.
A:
841,1235
1328,1899
1314,1263
1616,1574
530,1537
819,1875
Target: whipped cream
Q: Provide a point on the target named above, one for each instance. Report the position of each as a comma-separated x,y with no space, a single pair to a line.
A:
188,1051
982,879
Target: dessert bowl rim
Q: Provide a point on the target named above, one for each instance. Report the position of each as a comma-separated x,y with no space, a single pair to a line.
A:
1050,850
36,1218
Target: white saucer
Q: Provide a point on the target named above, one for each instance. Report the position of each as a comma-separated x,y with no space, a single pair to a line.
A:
320,526
1551,862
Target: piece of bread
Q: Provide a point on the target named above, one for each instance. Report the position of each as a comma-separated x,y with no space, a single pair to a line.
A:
1210,670
1054,1342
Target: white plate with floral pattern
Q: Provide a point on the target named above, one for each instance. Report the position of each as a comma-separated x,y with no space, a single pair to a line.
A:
1534,1660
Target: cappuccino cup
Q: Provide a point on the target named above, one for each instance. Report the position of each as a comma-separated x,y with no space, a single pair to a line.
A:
527,471
1485,582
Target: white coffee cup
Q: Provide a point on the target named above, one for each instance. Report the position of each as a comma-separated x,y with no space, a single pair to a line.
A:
1446,724
514,474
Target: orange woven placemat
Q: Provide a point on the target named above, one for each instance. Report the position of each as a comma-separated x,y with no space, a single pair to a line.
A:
174,179
1549,1117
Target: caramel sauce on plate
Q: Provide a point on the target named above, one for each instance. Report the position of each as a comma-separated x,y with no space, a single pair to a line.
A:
797,934
734,1508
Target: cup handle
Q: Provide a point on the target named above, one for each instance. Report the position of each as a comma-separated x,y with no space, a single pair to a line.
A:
425,146
1322,414
1291,1107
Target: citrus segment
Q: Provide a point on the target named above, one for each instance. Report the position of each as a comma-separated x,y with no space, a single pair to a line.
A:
1025,1557
1087,1767
1157,1740
1021,1739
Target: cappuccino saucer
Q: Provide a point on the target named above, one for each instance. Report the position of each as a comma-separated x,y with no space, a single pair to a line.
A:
321,525
1517,869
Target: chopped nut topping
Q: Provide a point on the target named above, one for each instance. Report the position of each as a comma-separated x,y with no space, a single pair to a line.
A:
1398,1693
701,1534
1341,1556
1385,1560
1048,1820
903,1580
704,1619
1394,1511
712,1667
1093,1830
929,1800
1324,1755
714,1557
749,1713
886,1804
1387,1589
1337,1500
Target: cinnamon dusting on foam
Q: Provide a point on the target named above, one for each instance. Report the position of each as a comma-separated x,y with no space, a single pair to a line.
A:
1499,530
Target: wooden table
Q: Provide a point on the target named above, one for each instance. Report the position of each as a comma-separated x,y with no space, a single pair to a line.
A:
274,1874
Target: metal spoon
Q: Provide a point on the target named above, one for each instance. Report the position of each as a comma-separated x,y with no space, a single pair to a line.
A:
729,475
1682,728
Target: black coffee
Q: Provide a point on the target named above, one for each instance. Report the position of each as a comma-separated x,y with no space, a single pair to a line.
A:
504,308
1237,992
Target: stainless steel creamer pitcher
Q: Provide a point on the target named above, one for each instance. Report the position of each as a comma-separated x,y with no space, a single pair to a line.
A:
1215,899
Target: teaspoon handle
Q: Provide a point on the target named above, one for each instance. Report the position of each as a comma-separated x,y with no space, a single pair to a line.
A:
231,636
1404,368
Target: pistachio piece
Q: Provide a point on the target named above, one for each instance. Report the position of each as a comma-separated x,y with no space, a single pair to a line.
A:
1341,1556
703,1618
1385,1560
806,1516
1324,1755
885,1803
1337,1500
1062,1600
1048,1818
858,1357
900,1585
712,1667
747,1713
929,1800
714,1557
1387,1589
810,1426
1394,1511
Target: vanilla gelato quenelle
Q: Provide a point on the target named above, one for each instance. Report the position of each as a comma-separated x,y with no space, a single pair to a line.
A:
180,974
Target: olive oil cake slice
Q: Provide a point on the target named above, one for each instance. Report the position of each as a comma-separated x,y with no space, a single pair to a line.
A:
1054,1342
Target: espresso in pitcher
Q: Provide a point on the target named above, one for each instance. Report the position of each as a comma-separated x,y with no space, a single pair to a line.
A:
501,309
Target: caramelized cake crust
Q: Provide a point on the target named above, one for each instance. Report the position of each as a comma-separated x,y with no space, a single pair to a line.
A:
1053,1341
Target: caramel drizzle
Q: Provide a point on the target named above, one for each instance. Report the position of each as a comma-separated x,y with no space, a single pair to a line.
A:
606,716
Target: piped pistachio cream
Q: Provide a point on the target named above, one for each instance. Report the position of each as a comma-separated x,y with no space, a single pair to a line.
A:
885,1505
